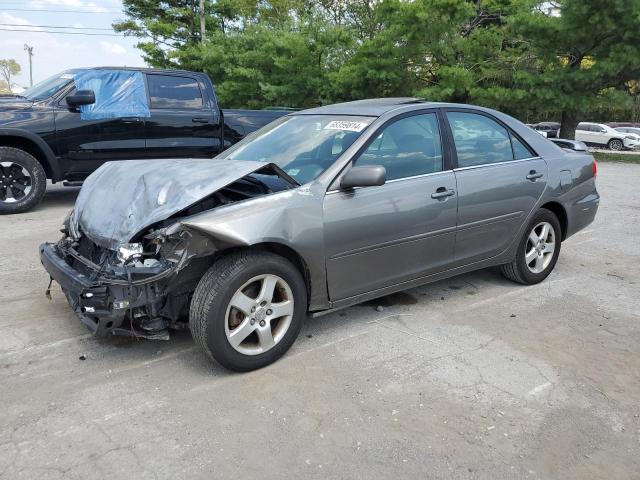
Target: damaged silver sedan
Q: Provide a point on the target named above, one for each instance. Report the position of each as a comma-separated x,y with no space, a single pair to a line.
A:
321,209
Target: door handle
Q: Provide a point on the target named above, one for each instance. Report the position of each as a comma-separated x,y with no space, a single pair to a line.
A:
442,193
533,175
130,120
200,120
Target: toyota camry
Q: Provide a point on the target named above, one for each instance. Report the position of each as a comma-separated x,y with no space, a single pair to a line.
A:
320,209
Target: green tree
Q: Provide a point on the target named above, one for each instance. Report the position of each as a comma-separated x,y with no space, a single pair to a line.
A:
537,60
163,27
580,50
260,65
8,69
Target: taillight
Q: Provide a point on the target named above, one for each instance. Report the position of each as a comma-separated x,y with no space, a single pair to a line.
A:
594,168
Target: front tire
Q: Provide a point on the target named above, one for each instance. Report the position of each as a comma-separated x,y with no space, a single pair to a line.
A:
248,309
538,250
23,181
615,144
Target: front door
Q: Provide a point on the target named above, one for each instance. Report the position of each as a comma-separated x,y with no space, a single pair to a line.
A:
182,123
599,135
84,145
499,180
381,236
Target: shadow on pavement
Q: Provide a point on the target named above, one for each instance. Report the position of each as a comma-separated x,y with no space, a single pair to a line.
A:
58,196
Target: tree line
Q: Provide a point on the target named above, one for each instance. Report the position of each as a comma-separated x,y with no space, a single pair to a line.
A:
564,60
8,69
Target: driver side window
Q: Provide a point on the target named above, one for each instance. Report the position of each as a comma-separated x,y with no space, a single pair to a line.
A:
406,148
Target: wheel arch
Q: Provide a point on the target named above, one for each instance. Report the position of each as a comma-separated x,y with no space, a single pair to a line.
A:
291,255
559,211
280,249
35,146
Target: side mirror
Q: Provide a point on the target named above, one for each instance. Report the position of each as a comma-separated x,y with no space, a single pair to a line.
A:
81,97
364,176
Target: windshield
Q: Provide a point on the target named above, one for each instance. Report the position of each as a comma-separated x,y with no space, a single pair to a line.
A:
303,146
48,87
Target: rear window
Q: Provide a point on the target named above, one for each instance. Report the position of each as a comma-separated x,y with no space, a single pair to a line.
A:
168,91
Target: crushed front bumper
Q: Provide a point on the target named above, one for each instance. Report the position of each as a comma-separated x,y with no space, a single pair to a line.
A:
106,308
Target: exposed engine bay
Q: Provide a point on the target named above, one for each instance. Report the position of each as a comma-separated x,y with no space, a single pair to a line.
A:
143,287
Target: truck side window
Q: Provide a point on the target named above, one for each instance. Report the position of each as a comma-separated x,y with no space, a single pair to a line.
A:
168,91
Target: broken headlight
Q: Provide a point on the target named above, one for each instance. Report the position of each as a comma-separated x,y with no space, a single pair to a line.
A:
70,227
129,252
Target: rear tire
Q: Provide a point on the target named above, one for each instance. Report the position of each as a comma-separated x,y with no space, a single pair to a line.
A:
534,261
233,318
615,144
23,181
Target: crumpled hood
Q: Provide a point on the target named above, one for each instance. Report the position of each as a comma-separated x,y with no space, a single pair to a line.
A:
122,198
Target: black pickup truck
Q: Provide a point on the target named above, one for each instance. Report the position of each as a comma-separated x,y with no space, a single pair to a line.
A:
67,126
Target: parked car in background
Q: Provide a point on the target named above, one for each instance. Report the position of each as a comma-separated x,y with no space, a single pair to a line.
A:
575,145
550,129
599,134
532,126
623,124
67,126
630,131
323,208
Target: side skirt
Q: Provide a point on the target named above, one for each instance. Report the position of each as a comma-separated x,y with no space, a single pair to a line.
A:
363,297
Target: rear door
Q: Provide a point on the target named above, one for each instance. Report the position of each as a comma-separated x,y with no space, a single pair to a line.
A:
381,236
183,122
499,181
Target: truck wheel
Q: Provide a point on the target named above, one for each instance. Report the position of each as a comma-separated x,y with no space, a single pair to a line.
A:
538,250
23,181
248,309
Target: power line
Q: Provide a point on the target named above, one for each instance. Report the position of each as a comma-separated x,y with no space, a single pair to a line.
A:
52,26
60,11
62,33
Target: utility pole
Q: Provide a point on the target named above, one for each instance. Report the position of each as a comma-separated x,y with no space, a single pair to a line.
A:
202,22
29,51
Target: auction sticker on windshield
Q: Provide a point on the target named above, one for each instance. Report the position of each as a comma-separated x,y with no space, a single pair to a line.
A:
346,125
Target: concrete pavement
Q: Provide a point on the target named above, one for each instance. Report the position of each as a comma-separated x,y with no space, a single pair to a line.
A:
472,377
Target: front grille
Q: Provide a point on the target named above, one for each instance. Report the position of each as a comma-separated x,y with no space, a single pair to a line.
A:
89,250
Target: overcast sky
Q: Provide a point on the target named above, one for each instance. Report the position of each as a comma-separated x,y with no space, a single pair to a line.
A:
56,52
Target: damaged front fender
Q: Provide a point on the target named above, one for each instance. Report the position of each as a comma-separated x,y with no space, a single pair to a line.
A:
291,218
123,198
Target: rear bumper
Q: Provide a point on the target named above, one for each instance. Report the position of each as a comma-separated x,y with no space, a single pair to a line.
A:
101,306
581,213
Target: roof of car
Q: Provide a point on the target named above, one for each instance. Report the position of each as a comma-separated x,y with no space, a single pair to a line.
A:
138,69
369,107
376,107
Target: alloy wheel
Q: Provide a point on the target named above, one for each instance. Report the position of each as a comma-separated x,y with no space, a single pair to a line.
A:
15,182
540,247
615,144
259,314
